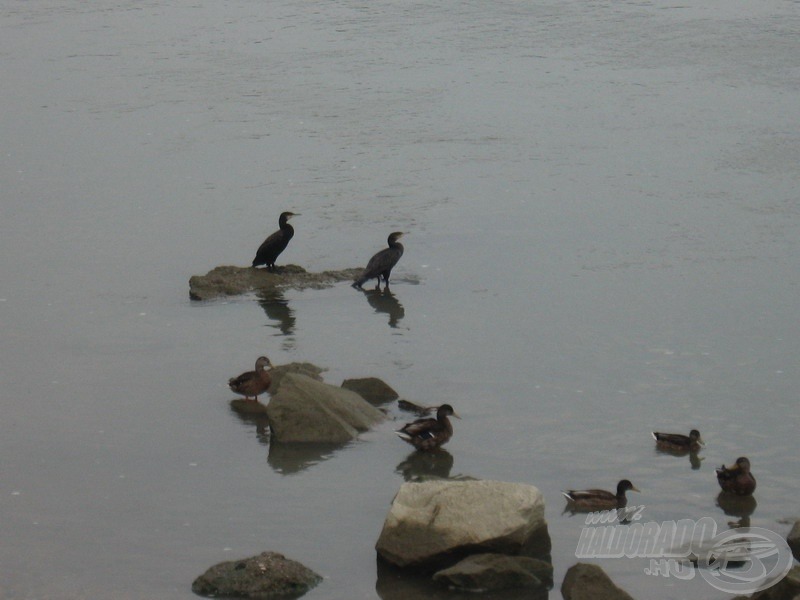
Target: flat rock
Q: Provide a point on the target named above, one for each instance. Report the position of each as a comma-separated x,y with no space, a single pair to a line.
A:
268,575
787,588
434,523
373,390
233,281
303,368
303,409
488,572
589,582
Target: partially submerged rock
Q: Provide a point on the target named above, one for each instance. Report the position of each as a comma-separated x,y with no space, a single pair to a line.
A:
268,575
787,588
373,390
793,539
589,582
302,368
305,410
233,281
433,523
487,572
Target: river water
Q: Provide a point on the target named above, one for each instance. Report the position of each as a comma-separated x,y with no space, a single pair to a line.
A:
602,209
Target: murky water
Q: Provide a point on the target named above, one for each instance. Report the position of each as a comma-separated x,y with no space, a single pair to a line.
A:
602,215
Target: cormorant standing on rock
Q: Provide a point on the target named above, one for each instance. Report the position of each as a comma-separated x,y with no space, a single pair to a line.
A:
383,262
276,243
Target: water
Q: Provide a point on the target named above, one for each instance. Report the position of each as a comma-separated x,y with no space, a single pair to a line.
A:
601,201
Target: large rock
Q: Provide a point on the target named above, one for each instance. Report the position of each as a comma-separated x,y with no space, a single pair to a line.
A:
793,539
487,572
305,410
231,281
434,523
589,582
373,390
268,575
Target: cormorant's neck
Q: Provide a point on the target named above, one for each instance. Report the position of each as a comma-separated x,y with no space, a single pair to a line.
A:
283,223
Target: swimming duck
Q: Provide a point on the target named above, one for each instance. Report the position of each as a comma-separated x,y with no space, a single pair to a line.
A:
428,434
678,441
737,479
600,499
252,383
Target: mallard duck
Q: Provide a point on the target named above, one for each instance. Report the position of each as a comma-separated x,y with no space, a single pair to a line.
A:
427,434
382,263
600,499
252,383
678,441
737,479
276,243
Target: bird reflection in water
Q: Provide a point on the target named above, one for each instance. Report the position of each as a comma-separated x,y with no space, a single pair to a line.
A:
695,460
384,301
279,313
420,466
253,413
740,507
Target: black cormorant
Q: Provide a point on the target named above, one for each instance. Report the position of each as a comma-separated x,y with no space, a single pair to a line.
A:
276,243
383,262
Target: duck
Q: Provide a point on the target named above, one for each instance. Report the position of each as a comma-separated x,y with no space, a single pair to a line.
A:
737,479
252,383
600,499
678,441
429,434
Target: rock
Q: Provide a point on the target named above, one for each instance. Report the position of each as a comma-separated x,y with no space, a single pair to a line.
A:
232,281
589,582
433,523
793,539
372,389
787,588
487,572
305,410
268,575
304,368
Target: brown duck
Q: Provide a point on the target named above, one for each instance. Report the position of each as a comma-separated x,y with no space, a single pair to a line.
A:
678,441
737,479
600,499
252,383
428,434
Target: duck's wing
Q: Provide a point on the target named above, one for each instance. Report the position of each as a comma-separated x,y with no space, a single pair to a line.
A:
578,495
672,438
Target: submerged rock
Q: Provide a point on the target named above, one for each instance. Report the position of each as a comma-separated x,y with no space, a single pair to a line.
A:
268,575
433,523
487,572
373,390
589,582
305,410
233,281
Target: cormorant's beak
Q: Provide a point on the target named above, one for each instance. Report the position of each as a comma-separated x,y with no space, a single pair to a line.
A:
635,489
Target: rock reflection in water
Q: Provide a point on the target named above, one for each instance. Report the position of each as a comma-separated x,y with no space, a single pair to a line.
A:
384,301
419,466
737,506
279,313
288,458
401,584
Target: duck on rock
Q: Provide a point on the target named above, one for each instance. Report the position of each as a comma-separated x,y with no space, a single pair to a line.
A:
429,434
252,383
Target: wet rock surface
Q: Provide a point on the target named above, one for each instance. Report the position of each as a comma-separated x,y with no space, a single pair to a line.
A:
303,409
589,582
373,390
432,524
787,588
233,281
268,575
793,539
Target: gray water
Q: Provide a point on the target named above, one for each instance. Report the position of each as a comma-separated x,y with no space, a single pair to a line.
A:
602,209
